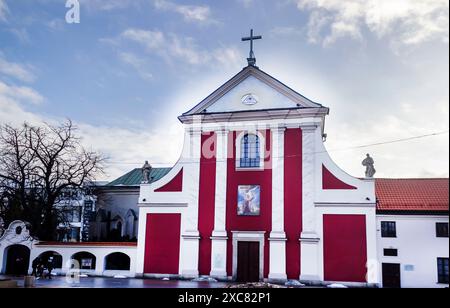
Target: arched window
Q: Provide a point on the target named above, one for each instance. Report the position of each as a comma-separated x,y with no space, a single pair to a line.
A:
250,155
52,257
85,260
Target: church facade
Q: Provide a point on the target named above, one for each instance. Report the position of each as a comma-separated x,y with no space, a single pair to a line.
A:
255,195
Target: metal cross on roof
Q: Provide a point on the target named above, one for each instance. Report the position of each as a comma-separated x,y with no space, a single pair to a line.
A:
251,59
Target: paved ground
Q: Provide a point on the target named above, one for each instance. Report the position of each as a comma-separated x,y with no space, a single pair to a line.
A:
91,282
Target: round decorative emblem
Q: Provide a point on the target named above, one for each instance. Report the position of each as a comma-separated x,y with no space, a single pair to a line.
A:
249,99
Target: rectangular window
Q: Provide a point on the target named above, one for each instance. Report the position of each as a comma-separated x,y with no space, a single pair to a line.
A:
441,229
391,252
442,270
388,229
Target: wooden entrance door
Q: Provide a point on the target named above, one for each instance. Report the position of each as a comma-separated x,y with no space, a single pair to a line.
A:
248,262
391,276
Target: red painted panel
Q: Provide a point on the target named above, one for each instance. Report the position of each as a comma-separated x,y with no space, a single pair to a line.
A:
331,182
345,248
176,185
293,200
255,223
162,244
207,200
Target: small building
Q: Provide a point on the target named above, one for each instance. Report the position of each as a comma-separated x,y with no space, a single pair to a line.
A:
117,213
412,232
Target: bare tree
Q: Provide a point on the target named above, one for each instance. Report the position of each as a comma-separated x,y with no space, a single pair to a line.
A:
37,164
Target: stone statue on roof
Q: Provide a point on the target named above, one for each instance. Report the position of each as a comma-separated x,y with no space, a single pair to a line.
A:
146,172
369,164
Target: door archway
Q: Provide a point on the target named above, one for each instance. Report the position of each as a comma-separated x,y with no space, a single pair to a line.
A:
17,260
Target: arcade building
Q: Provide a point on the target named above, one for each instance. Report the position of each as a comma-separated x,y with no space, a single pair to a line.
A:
255,196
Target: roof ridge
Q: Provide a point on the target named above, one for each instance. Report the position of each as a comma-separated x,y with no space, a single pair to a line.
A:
134,177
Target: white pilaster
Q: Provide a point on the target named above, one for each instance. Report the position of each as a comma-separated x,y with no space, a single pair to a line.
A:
189,254
310,267
219,237
142,232
190,236
278,236
100,265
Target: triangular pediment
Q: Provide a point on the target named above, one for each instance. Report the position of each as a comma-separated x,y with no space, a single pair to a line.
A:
251,90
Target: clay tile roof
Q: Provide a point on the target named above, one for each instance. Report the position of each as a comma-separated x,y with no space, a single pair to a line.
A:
414,195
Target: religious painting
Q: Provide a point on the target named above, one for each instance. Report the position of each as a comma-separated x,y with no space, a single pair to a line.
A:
249,200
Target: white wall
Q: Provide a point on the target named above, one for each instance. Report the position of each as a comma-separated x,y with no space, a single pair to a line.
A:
100,253
10,237
417,245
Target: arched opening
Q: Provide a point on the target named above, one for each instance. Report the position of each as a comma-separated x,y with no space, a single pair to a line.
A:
130,226
119,227
100,228
86,260
116,231
17,260
117,262
51,258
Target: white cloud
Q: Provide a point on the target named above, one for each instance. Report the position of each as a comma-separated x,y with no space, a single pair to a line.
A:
285,31
404,21
125,148
9,105
21,34
426,157
56,24
106,5
137,63
20,93
15,70
171,46
152,40
191,13
3,10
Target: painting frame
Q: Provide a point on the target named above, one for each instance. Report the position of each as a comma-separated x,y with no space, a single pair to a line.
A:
249,201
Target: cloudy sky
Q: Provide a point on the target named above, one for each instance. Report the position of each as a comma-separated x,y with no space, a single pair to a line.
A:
130,67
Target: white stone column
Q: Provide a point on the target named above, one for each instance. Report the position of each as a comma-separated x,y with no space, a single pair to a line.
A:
190,235
309,238
278,236
219,237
